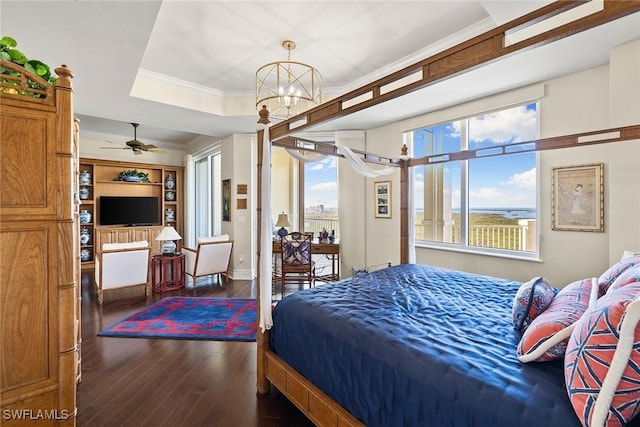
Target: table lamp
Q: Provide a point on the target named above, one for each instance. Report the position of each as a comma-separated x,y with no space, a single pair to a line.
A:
168,236
283,221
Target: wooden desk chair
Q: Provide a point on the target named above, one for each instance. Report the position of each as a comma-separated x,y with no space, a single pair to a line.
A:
296,263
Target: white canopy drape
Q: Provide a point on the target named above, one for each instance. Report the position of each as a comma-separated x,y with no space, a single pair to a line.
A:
360,166
354,160
266,248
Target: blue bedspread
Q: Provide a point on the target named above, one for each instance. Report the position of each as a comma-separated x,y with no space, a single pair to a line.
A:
414,345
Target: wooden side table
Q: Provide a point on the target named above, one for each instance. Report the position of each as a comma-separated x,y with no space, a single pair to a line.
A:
167,272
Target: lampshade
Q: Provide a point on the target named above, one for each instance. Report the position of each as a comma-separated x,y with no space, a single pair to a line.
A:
168,233
283,220
287,88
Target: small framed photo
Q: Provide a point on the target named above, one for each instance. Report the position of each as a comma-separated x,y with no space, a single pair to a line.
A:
382,197
577,195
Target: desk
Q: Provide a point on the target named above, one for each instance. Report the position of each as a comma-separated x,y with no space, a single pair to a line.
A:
167,272
331,250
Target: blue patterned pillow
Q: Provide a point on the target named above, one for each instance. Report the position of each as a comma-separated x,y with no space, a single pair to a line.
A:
532,298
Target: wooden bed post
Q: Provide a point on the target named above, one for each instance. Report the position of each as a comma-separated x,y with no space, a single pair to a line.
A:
262,338
404,212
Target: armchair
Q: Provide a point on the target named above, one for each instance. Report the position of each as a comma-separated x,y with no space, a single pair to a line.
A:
210,257
120,265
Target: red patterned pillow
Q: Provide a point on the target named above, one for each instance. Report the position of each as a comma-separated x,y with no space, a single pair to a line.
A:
547,335
602,363
609,276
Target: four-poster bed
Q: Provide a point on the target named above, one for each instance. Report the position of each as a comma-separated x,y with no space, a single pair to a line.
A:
513,394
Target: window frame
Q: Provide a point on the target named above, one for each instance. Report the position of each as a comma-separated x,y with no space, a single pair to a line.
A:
463,246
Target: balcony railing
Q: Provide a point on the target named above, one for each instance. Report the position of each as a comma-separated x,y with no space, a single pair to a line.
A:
519,237
316,225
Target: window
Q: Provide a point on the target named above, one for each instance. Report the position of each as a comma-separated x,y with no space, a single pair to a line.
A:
207,195
321,196
485,203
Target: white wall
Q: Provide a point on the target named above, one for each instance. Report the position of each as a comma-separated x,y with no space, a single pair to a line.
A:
239,165
352,202
624,181
591,100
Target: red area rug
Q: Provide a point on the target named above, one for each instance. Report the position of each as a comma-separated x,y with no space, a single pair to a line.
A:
190,318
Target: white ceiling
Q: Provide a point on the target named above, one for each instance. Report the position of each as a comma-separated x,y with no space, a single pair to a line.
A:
187,68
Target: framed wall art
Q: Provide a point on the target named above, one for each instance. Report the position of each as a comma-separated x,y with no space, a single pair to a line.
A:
382,197
577,198
226,200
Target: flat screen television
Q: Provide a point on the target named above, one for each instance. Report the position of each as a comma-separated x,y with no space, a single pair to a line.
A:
128,210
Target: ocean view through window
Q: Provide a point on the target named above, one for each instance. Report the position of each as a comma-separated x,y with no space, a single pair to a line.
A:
484,203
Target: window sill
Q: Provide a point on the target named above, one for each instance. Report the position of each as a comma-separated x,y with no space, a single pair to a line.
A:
525,256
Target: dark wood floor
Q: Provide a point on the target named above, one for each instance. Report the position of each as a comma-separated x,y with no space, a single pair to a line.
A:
153,382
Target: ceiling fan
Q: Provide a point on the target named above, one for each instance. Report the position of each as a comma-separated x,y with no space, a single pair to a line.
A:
136,146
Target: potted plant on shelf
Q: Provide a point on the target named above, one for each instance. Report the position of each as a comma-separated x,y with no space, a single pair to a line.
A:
9,53
132,175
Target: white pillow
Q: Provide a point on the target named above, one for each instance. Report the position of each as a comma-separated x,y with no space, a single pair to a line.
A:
220,238
142,244
629,254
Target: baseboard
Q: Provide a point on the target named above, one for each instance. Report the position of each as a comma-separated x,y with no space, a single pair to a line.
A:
242,274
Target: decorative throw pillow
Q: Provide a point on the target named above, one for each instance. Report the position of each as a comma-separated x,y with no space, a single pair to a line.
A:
547,335
603,359
608,277
532,298
630,275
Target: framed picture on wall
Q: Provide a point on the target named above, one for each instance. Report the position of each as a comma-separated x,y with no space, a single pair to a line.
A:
382,197
226,200
578,198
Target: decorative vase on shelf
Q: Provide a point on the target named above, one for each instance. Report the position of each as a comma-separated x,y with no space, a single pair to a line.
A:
85,237
170,196
84,178
85,217
85,255
169,183
169,215
84,193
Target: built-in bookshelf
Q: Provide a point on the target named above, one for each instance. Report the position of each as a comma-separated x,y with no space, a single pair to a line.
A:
97,178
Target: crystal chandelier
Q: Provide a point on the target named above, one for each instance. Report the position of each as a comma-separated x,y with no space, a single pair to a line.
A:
287,88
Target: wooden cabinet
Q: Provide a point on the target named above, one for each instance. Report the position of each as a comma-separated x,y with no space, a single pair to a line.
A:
39,310
129,234
165,183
